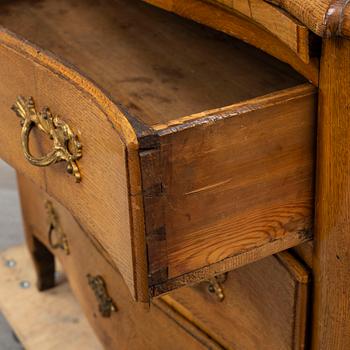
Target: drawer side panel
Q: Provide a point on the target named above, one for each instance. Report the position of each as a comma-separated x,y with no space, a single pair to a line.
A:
239,181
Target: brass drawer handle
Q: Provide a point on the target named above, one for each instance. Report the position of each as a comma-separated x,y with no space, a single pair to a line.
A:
215,286
66,146
105,303
61,241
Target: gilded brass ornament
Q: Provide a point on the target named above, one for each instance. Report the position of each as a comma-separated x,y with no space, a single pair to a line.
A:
60,241
66,146
105,303
216,286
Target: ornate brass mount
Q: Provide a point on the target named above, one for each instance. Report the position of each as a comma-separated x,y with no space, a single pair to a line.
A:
215,286
106,305
61,241
66,146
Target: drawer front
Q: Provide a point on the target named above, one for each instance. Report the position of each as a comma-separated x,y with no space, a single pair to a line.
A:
118,321
101,200
264,305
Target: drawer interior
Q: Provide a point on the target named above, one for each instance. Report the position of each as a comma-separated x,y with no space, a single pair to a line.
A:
157,65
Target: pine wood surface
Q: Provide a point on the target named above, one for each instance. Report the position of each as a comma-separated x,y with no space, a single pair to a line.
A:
265,306
289,30
345,26
109,201
261,195
305,252
158,66
330,263
51,320
245,29
133,325
324,17
21,74
331,256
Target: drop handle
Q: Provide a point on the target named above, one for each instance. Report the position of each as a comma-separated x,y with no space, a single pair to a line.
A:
66,146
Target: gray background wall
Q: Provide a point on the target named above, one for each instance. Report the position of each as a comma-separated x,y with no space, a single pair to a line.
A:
10,234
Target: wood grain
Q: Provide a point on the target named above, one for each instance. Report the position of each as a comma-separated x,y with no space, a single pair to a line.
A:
331,256
108,141
109,201
305,252
157,65
228,264
324,17
133,325
345,25
271,294
244,29
232,181
48,320
289,30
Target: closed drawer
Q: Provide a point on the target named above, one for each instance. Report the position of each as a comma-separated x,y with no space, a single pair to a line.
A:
119,322
201,159
264,307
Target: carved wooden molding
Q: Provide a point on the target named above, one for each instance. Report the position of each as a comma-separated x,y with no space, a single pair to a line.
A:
326,18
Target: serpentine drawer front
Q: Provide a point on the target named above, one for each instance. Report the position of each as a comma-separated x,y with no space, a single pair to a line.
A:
118,321
195,158
264,305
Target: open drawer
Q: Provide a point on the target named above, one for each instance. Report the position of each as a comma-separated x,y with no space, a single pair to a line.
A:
197,153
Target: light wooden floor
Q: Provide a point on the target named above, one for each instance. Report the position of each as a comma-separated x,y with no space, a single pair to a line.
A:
61,318
56,319
10,234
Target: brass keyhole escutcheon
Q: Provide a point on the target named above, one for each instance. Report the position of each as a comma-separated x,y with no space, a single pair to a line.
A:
105,303
56,237
215,286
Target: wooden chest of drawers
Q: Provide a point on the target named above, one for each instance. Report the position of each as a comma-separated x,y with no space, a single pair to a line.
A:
198,167
119,322
174,155
269,296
